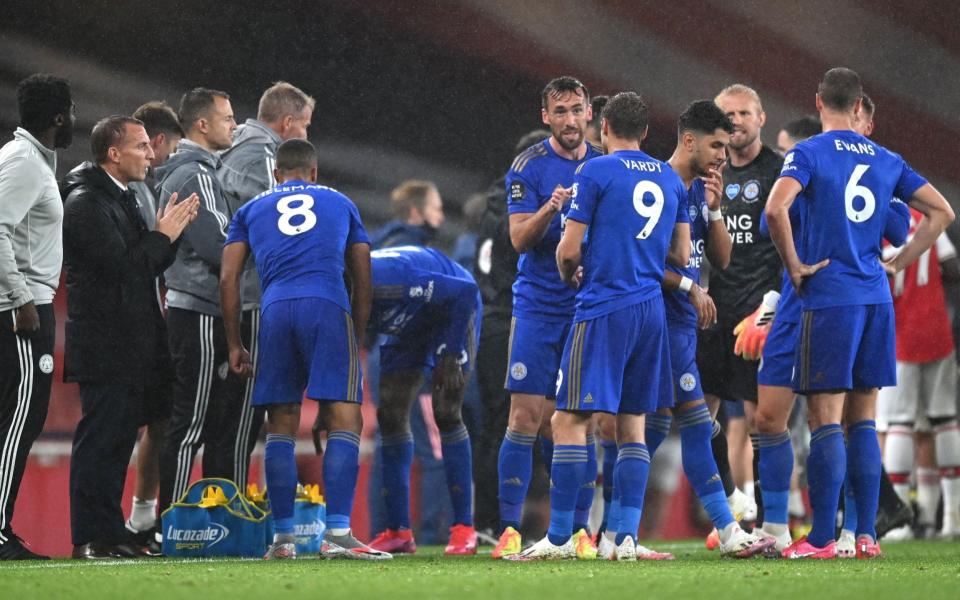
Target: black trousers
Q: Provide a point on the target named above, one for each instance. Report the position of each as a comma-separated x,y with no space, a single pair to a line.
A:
491,372
102,446
26,373
250,419
209,404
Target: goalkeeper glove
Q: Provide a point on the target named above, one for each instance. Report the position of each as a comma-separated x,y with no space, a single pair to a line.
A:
752,331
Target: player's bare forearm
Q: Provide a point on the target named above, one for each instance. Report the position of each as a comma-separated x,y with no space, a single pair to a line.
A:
358,265
527,229
938,215
719,244
701,301
671,281
231,271
568,250
679,253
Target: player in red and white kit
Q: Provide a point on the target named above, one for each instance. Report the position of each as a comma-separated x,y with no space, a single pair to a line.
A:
925,397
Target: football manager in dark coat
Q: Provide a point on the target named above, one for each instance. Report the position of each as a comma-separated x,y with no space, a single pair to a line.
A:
116,341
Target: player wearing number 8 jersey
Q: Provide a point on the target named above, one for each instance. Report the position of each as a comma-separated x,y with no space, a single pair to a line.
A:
304,238
847,331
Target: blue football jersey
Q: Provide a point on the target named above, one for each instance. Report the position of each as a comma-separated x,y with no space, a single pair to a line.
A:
538,291
680,312
420,290
847,182
298,233
895,231
630,203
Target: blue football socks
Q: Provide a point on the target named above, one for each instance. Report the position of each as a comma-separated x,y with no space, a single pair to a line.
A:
397,453
632,473
581,516
656,429
280,469
696,429
458,465
864,468
609,448
776,467
515,465
566,477
826,468
340,468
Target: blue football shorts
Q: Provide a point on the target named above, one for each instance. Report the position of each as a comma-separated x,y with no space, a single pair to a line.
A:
307,344
618,362
683,363
418,347
779,352
846,347
534,360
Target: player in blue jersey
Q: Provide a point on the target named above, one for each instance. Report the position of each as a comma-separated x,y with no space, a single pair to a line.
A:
775,394
429,308
616,357
543,305
304,238
703,132
847,328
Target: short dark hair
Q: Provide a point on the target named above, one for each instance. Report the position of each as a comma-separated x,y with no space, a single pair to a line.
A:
805,127
158,117
703,116
107,133
840,88
296,155
40,98
534,137
597,104
562,85
867,103
195,103
627,115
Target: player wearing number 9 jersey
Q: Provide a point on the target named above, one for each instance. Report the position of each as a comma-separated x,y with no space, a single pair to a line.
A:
304,237
616,357
847,329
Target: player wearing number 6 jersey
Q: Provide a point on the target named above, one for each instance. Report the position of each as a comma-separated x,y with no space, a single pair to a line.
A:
304,238
847,330
616,357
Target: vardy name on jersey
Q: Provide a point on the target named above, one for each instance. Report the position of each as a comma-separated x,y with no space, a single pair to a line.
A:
630,203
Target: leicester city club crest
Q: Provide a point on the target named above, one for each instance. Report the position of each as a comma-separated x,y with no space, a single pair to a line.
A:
751,191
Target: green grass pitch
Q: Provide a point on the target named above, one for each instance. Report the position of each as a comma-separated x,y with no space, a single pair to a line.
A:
914,570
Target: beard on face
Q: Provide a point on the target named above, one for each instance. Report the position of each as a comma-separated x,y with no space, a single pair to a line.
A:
748,139
567,145
64,135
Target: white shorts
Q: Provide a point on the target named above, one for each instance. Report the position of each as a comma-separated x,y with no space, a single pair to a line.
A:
923,391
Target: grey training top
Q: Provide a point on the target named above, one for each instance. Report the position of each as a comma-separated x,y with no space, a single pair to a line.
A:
31,222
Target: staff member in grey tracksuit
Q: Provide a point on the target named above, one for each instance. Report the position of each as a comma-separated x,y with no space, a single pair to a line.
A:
247,167
205,395
31,251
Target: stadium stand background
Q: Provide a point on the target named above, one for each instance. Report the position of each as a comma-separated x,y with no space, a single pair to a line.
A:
441,90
